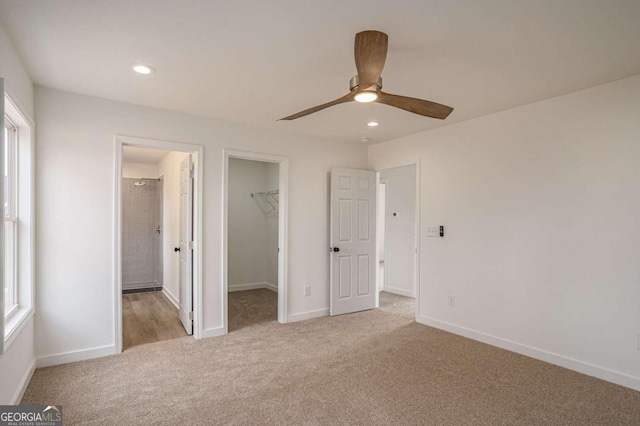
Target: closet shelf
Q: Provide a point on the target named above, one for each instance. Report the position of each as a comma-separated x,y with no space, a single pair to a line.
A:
267,201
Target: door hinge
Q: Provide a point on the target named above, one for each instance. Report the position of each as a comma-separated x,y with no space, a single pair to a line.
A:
191,245
191,315
191,173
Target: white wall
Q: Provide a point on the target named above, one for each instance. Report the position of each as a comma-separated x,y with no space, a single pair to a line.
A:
400,239
17,365
169,169
540,206
139,170
17,82
75,275
17,362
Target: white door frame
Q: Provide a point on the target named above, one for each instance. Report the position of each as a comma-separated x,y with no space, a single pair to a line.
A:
283,257
198,161
416,275
379,181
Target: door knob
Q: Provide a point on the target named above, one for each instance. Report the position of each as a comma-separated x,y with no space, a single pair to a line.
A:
336,249
176,249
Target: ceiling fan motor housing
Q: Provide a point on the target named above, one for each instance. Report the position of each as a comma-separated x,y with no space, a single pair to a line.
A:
354,83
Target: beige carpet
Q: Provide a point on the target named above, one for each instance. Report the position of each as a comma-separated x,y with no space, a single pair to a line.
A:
370,368
252,307
399,305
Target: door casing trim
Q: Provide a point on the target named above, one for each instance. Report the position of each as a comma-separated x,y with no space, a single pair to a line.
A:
198,161
283,221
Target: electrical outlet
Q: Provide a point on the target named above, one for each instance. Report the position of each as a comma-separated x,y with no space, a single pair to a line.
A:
452,300
433,231
307,291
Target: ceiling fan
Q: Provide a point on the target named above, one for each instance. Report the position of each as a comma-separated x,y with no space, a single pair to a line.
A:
370,53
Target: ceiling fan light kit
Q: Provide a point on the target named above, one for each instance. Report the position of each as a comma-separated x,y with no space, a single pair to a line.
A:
365,97
370,54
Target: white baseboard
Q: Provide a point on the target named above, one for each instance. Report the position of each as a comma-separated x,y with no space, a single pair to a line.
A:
252,286
81,355
550,357
17,397
398,291
212,332
308,315
171,298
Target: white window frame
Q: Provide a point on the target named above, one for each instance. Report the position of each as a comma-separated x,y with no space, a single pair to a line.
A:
10,216
22,215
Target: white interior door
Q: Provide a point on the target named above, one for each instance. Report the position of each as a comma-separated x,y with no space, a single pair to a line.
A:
186,244
353,240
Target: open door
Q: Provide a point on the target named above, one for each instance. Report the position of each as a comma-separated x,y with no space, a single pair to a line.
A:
186,244
353,240
2,279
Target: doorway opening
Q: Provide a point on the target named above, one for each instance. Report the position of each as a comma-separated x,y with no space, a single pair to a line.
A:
157,230
254,246
398,240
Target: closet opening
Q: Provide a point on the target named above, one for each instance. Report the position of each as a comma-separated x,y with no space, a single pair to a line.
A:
254,272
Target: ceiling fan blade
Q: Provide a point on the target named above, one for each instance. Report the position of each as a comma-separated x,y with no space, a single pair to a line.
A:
370,52
346,98
416,106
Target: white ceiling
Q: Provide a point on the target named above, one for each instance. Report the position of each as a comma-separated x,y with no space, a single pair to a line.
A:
131,154
256,61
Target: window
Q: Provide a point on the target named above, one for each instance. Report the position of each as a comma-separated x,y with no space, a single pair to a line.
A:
17,242
10,217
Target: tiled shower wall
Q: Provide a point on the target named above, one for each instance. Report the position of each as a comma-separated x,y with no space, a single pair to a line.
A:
141,241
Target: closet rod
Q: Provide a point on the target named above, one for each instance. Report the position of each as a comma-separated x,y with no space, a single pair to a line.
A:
269,200
274,192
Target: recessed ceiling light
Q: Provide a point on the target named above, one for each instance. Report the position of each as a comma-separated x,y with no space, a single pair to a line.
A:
366,97
143,69
372,123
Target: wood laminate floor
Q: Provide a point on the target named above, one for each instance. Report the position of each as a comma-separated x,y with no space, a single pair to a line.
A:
149,317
